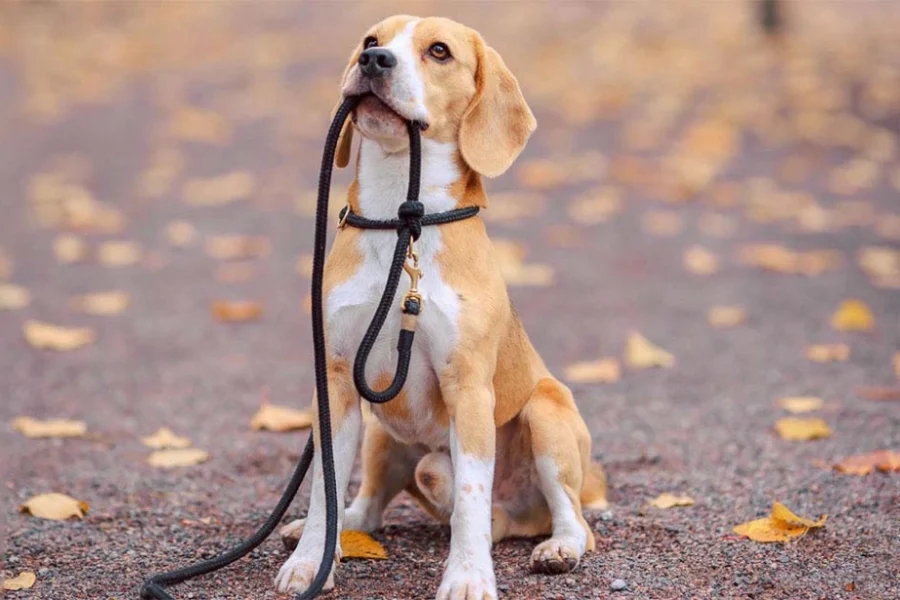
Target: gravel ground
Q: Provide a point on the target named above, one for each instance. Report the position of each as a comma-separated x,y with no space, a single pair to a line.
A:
94,89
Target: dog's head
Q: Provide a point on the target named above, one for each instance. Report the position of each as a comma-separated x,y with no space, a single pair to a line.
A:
444,76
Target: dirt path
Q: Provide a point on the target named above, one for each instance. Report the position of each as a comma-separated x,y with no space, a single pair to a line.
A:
660,131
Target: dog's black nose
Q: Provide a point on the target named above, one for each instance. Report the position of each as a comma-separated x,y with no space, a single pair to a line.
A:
375,62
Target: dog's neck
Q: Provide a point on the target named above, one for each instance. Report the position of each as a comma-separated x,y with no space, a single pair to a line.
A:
382,178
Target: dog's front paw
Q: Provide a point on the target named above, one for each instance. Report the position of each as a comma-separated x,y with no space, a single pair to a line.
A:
555,556
468,580
297,574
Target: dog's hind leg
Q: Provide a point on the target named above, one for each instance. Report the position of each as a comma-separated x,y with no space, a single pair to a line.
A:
387,468
562,446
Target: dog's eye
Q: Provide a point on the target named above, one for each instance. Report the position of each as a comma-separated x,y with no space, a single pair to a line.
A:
439,51
370,42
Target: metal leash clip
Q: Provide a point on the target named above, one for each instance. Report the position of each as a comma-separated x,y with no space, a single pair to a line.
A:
411,266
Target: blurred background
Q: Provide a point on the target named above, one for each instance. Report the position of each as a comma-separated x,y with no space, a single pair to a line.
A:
157,172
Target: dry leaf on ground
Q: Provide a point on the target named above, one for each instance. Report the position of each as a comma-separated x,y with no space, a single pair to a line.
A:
667,500
234,272
772,257
281,418
801,404
881,264
236,312
305,265
22,581
896,361
181,233
781,526
118,253
863,464
53,337
596,206
102,303
165,438
49,428
716,225
358,544
177,457
796,429
828,352
56,507
726,316
879,393
235,247
510,258
700,261
641,353
215,191
605,370
853,315
13,297
69,248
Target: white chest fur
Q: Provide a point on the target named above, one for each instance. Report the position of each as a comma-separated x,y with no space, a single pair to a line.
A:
383,179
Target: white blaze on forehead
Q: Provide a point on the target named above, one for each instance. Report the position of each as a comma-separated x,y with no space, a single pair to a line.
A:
407,89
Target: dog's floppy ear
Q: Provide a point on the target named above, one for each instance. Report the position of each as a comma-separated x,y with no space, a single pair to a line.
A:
345,141
498,122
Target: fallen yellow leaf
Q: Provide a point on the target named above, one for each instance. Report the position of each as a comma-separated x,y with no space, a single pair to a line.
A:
69,248
234,247
896,362
779,259
596,206
853,315
118,253
55,507
640,353
801,404
177,457
359,544
304,265
605,370
13,297
863,464
781,526
700,261
102,303
541,173
881,264
281,418
45,335
667,500
236,312
828,352
726,316
796,429
50,428
181,233
197,124
165,438
23,581
215,191
515,271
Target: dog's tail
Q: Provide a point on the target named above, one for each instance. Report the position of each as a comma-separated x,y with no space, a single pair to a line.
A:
593,492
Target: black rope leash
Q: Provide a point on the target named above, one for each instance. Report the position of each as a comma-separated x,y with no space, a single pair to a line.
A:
411,219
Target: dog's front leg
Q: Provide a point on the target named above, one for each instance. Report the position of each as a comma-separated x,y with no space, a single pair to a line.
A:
469,572
299,570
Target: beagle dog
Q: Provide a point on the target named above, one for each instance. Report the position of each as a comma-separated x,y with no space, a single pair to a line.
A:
482,435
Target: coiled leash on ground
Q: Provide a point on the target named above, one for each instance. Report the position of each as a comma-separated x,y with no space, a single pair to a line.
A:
411,219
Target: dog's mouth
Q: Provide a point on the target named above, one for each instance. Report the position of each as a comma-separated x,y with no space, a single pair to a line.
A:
375,104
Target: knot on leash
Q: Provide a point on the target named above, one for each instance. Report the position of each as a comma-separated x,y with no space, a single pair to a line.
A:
411,213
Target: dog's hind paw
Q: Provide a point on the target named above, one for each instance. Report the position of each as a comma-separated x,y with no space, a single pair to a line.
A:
290,533
554,556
